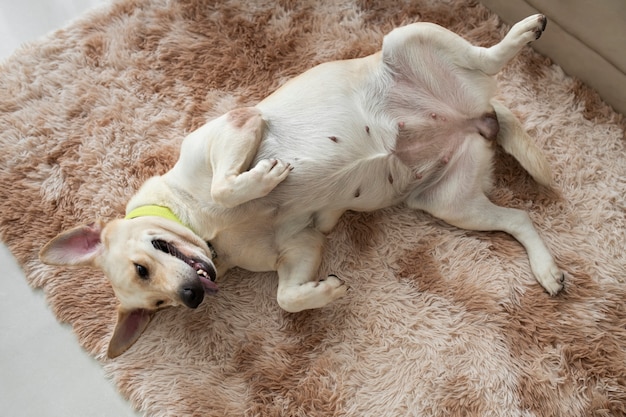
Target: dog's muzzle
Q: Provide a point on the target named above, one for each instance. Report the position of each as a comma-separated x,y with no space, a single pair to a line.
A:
192,294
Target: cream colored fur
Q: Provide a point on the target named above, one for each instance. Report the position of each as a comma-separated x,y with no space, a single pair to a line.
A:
414,124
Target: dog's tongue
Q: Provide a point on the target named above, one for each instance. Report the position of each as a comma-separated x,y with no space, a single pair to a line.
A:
208,285
206,278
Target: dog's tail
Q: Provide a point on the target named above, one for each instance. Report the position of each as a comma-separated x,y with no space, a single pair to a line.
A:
515,141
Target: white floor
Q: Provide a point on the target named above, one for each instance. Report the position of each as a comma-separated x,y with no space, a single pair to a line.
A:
43,370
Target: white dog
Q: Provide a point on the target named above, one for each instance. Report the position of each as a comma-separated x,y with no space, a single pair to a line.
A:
413,123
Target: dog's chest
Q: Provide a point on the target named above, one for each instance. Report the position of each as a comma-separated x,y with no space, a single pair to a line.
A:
247,238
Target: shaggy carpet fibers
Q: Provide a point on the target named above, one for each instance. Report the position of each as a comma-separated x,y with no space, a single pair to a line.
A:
438,322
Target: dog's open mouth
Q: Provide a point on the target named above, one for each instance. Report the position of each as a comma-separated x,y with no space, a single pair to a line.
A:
206,273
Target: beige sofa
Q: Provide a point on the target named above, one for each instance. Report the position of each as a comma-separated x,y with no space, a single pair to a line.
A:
587,38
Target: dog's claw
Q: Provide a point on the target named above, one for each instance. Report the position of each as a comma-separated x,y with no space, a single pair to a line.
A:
544,22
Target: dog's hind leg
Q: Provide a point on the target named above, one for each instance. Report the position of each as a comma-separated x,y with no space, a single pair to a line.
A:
298,266
408,43
460,201
492,60
437,72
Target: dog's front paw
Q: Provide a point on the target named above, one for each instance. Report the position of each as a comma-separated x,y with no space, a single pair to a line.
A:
336,287
311,294
529,29
268,173
234,190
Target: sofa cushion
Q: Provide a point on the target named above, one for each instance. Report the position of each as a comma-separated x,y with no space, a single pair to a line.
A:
587,39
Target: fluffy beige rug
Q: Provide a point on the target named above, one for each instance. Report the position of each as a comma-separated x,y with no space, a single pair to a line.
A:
438,322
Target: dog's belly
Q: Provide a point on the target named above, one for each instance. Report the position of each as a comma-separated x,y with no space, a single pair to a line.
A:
360,138
344,166
370,164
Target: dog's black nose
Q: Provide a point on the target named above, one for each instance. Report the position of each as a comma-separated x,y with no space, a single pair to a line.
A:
191,294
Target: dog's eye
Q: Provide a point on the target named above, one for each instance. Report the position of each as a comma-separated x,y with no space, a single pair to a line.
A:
160,303
142,271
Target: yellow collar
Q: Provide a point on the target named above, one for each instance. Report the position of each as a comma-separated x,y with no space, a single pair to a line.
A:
165,213
152,210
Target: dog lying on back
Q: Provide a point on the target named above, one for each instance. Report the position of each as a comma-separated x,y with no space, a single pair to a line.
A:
414,123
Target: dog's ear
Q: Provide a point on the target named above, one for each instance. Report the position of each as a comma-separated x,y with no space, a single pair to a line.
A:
77,246
130,325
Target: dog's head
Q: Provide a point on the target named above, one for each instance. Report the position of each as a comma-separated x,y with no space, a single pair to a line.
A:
151,262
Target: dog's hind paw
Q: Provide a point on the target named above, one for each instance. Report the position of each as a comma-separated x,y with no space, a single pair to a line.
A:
529,29
552,281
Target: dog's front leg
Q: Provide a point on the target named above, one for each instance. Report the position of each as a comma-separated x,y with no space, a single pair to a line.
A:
233,147
299,288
